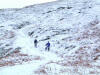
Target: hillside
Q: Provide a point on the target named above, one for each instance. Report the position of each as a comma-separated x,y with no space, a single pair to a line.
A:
72,27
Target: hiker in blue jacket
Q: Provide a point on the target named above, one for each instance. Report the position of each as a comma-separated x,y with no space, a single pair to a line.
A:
47,46
35,43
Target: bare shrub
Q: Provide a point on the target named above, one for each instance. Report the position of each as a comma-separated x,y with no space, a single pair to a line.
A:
95,22
41,71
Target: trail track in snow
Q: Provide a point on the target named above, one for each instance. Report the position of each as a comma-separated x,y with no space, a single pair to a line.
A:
27,45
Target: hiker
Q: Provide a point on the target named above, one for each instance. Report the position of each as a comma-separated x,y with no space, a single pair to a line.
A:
35,43
47,46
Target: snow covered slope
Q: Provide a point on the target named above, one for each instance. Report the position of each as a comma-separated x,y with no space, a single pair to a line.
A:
72,27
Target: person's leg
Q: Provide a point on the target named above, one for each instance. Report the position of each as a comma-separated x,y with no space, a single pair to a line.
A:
45,48
48,48
36,45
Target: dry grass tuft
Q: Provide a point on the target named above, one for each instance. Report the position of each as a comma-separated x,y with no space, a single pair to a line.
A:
41,71
16,58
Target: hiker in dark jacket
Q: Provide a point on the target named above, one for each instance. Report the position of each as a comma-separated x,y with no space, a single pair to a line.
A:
47,46
35,43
